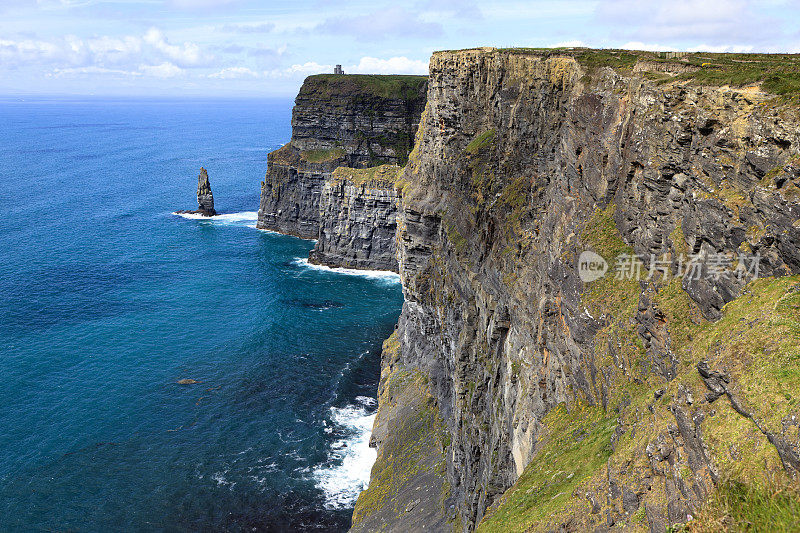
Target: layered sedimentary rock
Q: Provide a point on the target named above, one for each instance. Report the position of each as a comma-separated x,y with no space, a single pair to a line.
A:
338,121
409,488
291,191
358,219
629,401
371,119
205,200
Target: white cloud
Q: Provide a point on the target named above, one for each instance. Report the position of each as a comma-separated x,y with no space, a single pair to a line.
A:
188,54
263,27
393,65
61,72
108,49
201,4
715,21
655,47
457,8
650,47
235,73
366,65
104,52
308,68
164,70
735,48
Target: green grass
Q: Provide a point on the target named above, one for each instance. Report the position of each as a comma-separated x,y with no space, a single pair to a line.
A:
484,140
736,506
608,294
577,446
592,59
389,86
380,176
479,153
458,241
778,74
415,443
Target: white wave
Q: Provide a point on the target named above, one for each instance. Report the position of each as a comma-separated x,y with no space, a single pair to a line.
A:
367,401
219,477
226,218
350,459
383,275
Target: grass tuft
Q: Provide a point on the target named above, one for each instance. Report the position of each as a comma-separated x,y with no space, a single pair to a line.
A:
736,506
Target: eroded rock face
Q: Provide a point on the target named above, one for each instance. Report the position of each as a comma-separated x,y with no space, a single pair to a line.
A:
291,191
205,200
372,119
342,121
522,162
358,219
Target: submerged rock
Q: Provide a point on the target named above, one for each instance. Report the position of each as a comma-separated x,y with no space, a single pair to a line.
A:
187,381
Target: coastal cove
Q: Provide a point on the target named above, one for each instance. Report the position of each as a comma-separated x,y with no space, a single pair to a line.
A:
110,300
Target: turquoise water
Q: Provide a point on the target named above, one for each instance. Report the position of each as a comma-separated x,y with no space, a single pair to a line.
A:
107,299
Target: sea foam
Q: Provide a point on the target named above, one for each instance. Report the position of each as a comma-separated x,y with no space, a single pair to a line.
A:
346,472
384,275
226,218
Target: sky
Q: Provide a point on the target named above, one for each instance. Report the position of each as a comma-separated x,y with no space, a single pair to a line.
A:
257,48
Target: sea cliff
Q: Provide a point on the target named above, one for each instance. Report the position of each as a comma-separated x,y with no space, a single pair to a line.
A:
518,395
351,121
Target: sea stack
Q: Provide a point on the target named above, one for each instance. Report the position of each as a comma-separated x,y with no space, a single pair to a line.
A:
205,200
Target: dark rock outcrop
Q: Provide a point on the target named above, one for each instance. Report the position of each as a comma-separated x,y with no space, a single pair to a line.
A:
342,121
205,199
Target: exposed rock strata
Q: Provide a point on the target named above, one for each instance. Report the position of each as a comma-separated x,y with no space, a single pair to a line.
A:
522,161
205,199
372,119
342,121
358,219
410,492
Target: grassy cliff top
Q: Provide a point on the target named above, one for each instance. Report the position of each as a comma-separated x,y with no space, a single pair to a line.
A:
383,86
380,176
777,73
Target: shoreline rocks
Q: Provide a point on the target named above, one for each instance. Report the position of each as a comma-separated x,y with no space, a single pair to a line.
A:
205,199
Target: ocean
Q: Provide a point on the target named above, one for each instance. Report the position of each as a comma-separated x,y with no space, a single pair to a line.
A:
108,299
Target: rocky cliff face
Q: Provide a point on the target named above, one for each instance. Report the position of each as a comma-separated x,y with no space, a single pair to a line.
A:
372,119
628,401
358,219
205,200
341,121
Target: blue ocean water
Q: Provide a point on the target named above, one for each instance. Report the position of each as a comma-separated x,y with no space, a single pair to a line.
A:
107,299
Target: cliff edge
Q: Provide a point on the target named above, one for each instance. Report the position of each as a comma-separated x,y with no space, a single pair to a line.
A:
650,385
351,121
